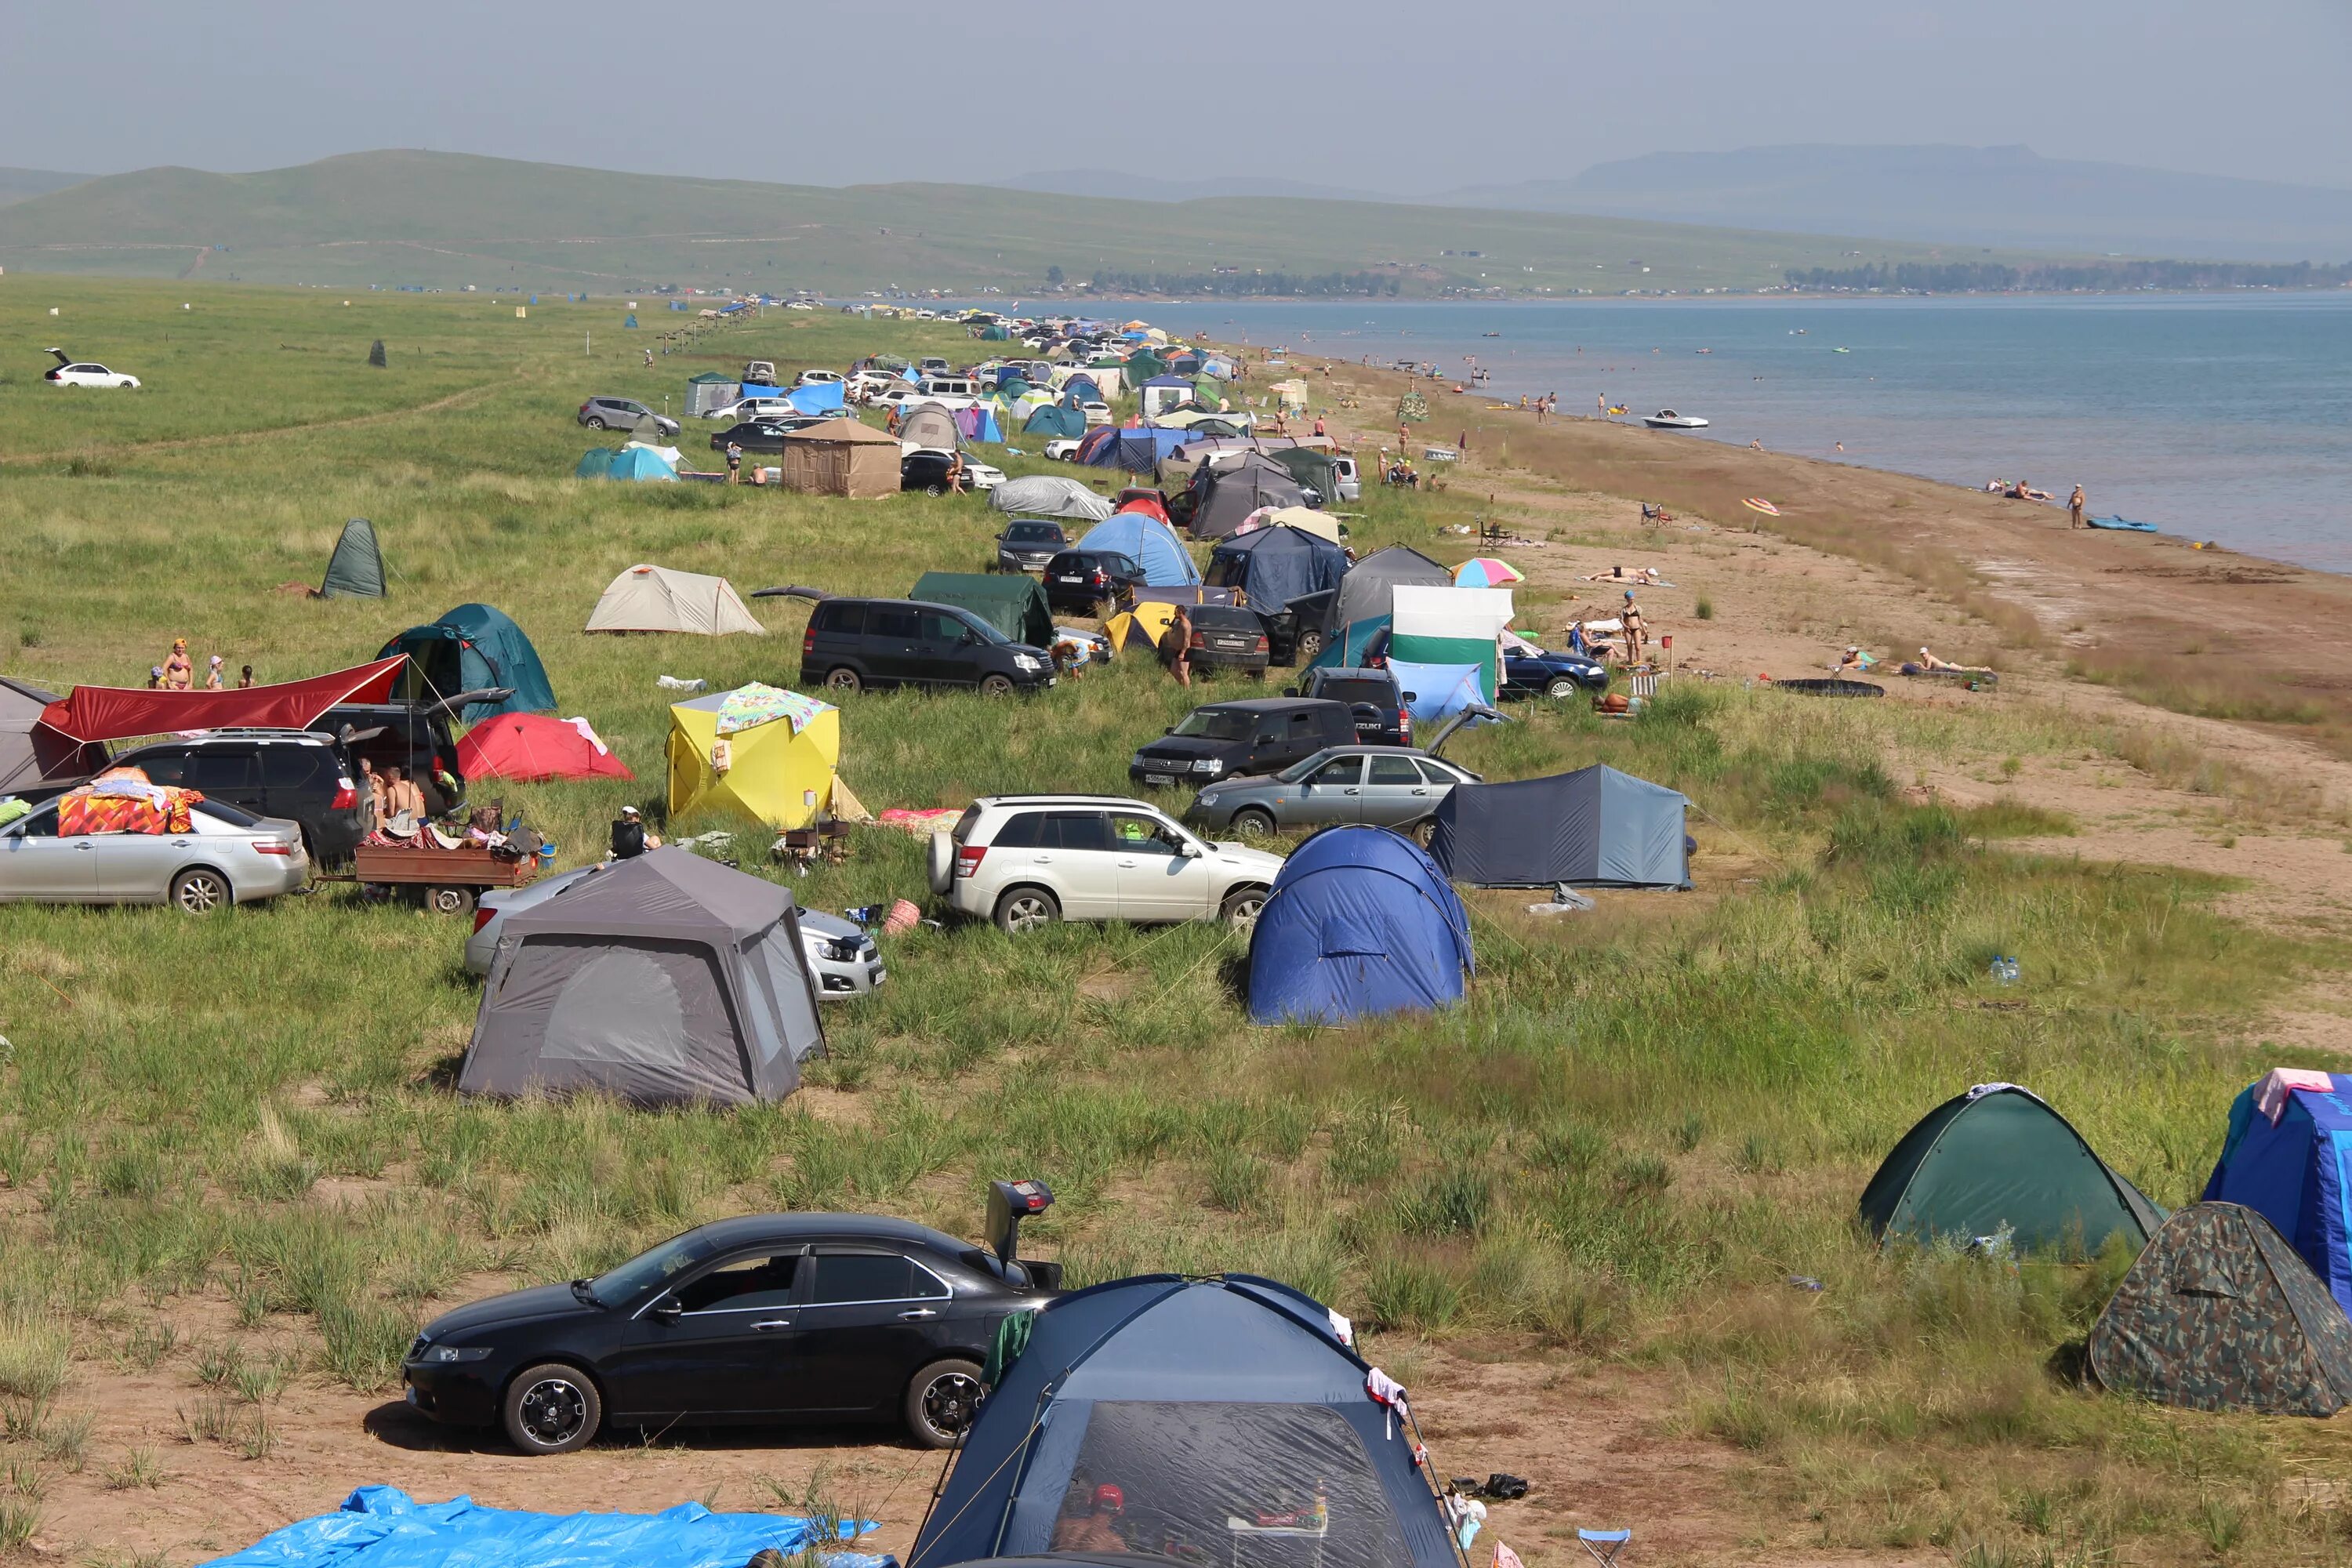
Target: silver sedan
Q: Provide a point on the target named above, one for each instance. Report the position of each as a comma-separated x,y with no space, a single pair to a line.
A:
228,857
1386,786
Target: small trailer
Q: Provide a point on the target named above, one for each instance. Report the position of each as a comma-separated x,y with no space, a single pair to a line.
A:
443,881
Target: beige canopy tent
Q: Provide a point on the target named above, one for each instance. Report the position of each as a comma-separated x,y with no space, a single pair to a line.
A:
1322,525
841,458
656,599
931,426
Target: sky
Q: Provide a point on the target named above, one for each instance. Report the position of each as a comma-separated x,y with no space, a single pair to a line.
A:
1379,95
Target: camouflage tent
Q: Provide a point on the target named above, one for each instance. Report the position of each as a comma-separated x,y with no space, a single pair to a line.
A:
2219,1313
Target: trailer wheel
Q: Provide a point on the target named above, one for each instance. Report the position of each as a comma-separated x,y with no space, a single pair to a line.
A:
449,901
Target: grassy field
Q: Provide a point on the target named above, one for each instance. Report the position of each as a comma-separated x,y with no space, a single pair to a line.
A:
446,219
1615,1154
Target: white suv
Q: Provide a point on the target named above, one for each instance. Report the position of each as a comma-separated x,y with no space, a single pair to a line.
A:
1028,861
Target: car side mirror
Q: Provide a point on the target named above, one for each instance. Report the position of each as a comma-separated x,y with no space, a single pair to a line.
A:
1290,692
668,1309
1170,730
1190,851
1412,696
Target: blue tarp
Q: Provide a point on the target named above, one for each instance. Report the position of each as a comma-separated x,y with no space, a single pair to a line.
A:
817,398
1203,1400
1595,827
384,1527
2296,1174
1439,691
1361,923
1276,565
1150,543
627,463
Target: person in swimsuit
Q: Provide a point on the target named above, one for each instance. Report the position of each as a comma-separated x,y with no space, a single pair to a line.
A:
2074,504
178,673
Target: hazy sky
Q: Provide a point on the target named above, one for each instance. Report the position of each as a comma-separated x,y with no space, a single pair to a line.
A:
1375,94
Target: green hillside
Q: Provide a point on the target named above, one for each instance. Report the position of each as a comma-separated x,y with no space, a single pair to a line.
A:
443,219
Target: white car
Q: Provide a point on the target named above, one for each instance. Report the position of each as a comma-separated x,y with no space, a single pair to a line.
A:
744,408
1096,412
1062,449
982,476
69,372
817,377
1028,861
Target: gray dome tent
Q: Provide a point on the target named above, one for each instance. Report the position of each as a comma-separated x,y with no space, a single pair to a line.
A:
1595,827
663,980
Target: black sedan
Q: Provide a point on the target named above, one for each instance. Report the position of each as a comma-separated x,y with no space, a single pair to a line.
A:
769,1318
1547,674
765,435
1086,582
1228,637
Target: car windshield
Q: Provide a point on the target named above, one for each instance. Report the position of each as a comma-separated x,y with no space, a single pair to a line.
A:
1215,724
1032,533
1298,771
650,1271
1378,693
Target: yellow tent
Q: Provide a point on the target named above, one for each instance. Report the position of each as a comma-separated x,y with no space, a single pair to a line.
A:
1323,525
755,751
1149,621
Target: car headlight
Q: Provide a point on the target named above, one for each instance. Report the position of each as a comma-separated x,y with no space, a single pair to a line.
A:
1028,662
1208,797
443,1354
1208,765
840,951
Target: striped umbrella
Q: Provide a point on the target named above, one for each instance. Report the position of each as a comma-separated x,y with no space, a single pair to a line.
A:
1758,503
1486,571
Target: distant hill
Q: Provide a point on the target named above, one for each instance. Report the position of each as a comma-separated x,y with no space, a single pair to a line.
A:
16,185
440,219
1955,195
1147,188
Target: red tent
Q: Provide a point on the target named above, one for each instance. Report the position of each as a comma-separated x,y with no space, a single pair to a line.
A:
528,747
121,712
1149,501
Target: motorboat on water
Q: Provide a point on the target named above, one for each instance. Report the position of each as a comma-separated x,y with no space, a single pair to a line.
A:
1667,419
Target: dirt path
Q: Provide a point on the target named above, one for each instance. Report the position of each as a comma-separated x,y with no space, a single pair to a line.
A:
457,399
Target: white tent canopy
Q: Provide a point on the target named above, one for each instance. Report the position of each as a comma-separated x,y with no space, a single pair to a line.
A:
656,599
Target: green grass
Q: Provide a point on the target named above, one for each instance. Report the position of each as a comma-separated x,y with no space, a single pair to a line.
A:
1635,1128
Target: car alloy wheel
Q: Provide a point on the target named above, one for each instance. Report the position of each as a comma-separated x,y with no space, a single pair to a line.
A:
949,1401
843,679
1025,910
595,423
1561,686
1253,823
996,686
199,892
1241,910
554,1410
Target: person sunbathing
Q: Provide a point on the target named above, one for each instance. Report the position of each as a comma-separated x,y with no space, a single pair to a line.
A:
1935,665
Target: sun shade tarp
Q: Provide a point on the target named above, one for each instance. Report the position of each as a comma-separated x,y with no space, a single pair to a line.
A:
383,1527
2001,1157
2219,1313
1595,827
1204,1401
2296,1172
117,713
1361,923
1150,543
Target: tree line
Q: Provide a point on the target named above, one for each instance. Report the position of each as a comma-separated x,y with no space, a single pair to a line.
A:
2064,276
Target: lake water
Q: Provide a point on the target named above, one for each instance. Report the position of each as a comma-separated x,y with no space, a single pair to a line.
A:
2221,417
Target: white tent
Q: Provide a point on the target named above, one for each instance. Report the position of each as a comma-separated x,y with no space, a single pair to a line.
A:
656,599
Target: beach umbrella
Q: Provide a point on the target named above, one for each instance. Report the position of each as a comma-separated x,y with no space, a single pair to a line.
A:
1486,571
1758,503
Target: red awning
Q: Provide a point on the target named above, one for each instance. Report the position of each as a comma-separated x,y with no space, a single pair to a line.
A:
118,712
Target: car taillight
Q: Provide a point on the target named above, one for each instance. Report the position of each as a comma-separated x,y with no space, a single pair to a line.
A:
483,917
1404,722
272,847
968,859
1263,645
808,642
1100,579
1199,641
347,795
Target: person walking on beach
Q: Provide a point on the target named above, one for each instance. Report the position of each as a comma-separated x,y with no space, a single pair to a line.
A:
2074,504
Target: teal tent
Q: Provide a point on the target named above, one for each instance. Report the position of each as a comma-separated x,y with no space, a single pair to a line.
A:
471,647
627,463
1052,422
355,571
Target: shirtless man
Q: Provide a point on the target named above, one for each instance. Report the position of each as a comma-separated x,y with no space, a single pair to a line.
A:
2074,504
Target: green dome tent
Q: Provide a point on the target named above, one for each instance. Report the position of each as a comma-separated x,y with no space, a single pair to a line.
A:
1013,605
2221,1313
355,571
471,647
1999,1155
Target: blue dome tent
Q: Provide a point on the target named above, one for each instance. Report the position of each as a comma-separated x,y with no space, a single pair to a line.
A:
471,647
1276,565
640,463
2288,1156
1224,1415
1052,422
1150,543
1361,923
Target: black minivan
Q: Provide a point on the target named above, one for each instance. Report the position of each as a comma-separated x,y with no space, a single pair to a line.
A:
852,643
1226,740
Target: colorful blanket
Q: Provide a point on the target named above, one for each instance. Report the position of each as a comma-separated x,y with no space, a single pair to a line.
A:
748,707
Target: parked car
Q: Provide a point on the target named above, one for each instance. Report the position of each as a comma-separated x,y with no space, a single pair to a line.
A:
1346,482
760,372
981,477
843,959
764,436
1028,544
818,378
73,373
228,856
851,644
1387,787
1062,449
1548,674
765,1318
928,471
1088,582
624,414
1228,637
1372,696
304,778
754,408
1025,861
1257,735
1096,414
934,366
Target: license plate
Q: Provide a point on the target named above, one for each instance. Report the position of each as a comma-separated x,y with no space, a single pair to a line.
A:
1072,579
1160,778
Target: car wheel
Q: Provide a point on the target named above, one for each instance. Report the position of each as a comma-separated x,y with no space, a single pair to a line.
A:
447,900
595,423
552,1408
942,1402
1241,908
1423,833
935,490
1560,686
996,686
1310,645
844,679
1254,822
1024,910
202,891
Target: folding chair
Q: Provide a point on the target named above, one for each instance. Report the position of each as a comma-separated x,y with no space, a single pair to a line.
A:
1604,1544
